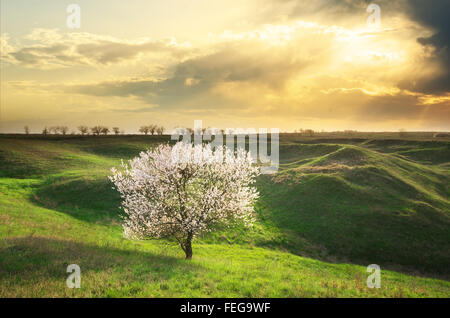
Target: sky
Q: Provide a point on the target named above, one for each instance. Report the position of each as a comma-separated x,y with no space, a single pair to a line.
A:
288,64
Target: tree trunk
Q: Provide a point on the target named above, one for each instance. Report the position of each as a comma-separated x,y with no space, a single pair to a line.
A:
188,247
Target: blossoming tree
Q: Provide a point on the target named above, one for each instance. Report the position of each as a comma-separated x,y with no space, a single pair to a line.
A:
185,190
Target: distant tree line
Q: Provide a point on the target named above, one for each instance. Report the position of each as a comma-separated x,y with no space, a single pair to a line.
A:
55,130
97,130
151,129
305,132
311,132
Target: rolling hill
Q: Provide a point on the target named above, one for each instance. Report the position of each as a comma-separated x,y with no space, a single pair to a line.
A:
335,206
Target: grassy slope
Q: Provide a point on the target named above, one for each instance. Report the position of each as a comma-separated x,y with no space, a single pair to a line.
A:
333,205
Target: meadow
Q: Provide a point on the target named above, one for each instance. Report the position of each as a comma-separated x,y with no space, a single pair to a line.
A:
337,204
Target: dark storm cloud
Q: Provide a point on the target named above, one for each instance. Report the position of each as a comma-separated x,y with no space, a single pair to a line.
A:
434,14
326,9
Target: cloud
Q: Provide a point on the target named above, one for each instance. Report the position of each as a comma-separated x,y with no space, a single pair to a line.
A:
52,49
5,48
310,61
43,56
342,12
357,108
434,15
433,70
231,63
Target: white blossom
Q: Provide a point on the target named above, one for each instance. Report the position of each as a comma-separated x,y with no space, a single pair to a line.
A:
185,190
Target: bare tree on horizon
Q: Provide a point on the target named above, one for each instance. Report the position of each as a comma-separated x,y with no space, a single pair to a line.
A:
96,130
144,129
63,130
83,129
104,130
160,130
152,129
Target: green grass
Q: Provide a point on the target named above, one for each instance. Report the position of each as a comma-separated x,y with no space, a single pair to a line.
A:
336,206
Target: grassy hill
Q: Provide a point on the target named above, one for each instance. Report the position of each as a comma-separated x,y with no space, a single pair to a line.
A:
336,206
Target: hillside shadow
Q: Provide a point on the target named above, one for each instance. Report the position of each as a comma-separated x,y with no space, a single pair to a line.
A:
123,147
87,198
33,261
394,145
31,163
387,223
116,150
292,153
